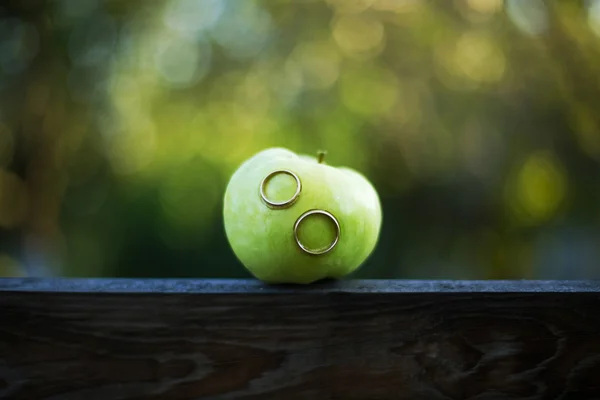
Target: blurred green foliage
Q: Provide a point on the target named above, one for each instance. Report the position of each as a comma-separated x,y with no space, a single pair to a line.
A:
476,120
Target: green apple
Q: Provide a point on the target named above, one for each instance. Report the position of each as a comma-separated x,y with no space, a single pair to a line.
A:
294,219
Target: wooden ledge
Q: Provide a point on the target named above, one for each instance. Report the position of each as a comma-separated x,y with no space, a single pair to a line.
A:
248,286
240,339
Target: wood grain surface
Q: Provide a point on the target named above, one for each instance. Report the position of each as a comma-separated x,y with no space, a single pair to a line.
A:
193,339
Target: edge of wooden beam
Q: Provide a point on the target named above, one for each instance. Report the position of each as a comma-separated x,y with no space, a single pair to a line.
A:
216,286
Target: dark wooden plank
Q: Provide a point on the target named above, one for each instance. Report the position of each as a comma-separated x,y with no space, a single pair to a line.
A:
191,339
254,286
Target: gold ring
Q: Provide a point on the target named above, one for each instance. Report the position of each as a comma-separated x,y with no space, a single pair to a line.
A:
326,249
281,204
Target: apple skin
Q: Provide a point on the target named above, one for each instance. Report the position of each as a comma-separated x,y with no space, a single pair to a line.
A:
262,238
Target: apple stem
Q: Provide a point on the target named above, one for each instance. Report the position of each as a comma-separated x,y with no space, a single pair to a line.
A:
321,155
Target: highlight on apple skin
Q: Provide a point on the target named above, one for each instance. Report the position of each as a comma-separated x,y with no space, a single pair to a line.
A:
292,218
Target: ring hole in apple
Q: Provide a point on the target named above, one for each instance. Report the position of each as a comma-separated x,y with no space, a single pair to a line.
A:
278,191
317,232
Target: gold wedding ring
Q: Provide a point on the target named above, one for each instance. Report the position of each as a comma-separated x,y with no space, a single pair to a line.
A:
319,251
280,204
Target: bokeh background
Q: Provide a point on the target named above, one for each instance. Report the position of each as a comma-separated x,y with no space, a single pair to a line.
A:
478,121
